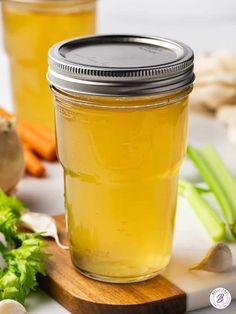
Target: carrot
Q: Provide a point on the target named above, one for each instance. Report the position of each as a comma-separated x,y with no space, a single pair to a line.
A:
39,139
36,143
32,163
5,114
35,139
46,133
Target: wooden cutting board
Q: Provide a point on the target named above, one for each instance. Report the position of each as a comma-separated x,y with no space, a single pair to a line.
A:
81,295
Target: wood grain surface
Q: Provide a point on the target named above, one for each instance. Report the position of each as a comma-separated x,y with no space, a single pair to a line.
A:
81,295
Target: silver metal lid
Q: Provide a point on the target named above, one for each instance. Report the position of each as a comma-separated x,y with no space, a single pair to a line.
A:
120,65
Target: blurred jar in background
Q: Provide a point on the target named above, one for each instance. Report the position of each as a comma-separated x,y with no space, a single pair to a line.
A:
30,28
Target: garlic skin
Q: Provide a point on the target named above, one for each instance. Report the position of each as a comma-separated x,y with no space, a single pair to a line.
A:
218,259
11,307
42,223
11,156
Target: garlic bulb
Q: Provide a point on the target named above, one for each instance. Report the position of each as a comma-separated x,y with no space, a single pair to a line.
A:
11,307
218,259
11,156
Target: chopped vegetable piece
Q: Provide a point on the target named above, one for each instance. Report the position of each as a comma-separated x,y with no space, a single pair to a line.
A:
218,179
223,175
38,144
202,189
37,141
213,224
32,164
42,223
11,156
22,253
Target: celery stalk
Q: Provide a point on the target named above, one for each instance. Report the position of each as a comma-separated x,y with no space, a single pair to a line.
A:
214,173
202,190
223,175
208,217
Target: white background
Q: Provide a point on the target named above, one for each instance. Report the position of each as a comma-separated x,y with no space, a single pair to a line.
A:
205,25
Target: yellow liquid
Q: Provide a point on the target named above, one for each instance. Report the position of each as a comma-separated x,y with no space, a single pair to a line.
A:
29,31
120,175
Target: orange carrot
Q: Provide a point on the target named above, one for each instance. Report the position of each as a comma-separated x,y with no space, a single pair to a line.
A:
35,139
36,143
45,133
39,139
5,114
32,163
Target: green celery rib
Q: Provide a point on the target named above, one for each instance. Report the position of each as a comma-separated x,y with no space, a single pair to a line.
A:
210,220
208,172
202,190
223,175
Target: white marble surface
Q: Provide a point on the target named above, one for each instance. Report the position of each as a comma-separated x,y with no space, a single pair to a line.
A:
206,26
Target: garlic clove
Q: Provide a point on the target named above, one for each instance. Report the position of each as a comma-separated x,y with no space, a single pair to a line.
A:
42,223
11,307
218,259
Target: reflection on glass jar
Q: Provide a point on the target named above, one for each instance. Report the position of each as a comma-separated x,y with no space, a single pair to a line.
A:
120,153
30,28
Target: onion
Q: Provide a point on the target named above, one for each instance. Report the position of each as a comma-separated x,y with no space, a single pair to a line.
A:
11,156
11,307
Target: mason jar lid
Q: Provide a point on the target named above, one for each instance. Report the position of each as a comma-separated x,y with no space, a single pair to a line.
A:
120,65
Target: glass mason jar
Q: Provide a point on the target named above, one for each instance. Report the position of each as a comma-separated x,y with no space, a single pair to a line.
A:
31,27
121,110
